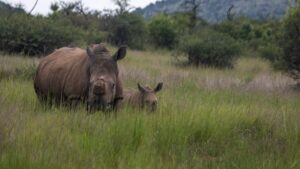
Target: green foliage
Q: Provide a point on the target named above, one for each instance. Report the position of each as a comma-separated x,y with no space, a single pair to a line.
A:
181,23
128,29
255,34
163,31
210,48
261,37
271,52
74,13
242,29
94,37
291,43
34,35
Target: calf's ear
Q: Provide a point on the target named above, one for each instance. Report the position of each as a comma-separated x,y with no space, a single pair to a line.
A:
141,88
158,87
120,54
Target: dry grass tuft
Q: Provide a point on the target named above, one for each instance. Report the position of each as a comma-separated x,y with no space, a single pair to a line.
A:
249,74
275,83
220,82
12,65
134,74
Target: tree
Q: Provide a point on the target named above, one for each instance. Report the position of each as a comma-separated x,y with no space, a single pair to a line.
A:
54,7
69,8
74,12
123,6
210,48
230,15
29,13
163,32
291,43
193,7
127,29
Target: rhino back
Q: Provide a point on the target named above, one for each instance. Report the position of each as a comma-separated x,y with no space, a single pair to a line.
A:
132,97
63,73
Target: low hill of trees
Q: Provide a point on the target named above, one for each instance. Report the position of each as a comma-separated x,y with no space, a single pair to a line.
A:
216,10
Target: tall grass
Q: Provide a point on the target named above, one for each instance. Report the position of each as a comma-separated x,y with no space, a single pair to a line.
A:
199,124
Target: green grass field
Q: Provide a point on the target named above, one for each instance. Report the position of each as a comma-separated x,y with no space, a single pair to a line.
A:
246,117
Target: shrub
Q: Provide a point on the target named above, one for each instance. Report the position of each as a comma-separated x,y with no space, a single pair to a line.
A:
211,49
247,30
93,37
129,29
254,44
162,31
290,59
181,22
270,52
34,35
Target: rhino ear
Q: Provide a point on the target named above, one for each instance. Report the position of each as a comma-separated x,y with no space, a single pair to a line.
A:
141,88
158,87
90,53
120,54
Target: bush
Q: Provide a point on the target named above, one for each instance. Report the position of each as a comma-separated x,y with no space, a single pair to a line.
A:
290,60
93,37
34,35
129,29
239,29
162,31
211,49
248,30
270,52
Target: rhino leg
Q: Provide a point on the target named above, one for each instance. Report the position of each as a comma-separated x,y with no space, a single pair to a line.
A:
73,101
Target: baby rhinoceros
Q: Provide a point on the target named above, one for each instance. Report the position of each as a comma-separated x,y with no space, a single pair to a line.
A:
143,98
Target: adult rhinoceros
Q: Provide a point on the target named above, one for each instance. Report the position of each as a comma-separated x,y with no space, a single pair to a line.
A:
75,74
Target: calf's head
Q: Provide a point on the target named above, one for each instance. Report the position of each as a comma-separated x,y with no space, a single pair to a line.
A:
103,73
148,96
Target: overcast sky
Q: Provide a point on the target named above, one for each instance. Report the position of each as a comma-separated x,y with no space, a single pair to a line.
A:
43,6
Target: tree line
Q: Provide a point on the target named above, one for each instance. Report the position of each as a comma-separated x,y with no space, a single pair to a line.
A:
203,43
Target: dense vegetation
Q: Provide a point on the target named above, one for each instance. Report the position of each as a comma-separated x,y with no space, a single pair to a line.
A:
125,27
290,41
163,32
201,42
34,35
212,49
